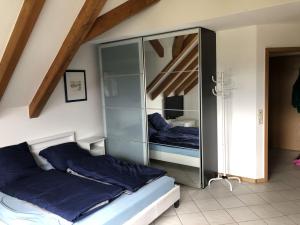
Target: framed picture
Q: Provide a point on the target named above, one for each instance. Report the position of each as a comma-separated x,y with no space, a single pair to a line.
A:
75,85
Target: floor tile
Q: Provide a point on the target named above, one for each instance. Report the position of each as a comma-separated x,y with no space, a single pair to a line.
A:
193,219
276,202
279,221
230,202
242,214
257,222
185,196
220,192
287,208
169,212
208,204
251,199
295,218
239,189
168,220
187,207
272,197
218,217
265,211
290,194
200,194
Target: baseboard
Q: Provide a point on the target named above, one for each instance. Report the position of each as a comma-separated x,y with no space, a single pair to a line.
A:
250,180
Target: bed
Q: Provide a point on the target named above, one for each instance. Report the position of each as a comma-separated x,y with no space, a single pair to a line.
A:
141,207
177,144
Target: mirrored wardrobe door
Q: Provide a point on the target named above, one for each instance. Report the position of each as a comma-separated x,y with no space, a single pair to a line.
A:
123,90
172,104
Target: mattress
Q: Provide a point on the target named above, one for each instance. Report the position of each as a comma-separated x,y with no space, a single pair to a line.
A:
175,150
14,211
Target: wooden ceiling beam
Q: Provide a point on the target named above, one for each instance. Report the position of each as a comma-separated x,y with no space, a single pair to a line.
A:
81,26
171,64
117,15
182,77
27,18
158,48
191,86
177,45
189,38
175,73
186,83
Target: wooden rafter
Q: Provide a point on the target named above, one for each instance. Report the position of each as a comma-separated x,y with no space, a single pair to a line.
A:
159,49
189,38
26,20
181,77
81,26
186,83
172,63
177,45
117,15
175,73
191,86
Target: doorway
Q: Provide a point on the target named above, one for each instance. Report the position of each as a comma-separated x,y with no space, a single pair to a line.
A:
281,64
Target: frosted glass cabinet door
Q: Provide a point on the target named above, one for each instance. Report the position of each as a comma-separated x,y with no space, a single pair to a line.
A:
125,123
122,80
121,59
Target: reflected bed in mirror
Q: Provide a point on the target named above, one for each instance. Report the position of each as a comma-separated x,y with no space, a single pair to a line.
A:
177,144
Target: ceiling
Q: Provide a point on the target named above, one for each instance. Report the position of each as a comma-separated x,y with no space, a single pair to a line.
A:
286,13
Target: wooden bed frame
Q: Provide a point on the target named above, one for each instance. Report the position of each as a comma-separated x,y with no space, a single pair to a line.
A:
144,217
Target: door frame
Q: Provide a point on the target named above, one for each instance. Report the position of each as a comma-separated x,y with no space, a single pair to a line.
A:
268,52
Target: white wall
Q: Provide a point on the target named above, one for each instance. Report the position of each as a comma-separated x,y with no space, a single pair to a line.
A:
273,35
236,57
241,55
83,117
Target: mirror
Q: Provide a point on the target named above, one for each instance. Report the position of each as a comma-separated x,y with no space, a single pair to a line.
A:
172,104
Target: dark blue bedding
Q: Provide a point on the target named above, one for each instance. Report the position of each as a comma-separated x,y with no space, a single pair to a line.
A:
187,137
63,194
110,170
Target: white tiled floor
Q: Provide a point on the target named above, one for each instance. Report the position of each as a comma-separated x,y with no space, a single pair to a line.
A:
274,203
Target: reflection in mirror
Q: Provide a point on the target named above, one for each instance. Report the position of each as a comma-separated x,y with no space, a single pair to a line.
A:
172,104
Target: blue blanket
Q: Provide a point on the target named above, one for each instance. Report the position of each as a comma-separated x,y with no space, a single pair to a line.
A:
65,195
110,170
187,137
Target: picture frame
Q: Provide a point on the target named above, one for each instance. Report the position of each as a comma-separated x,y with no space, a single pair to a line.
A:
75,86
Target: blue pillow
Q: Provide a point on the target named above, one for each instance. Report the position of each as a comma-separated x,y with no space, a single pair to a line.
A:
16,162
58,155
158,122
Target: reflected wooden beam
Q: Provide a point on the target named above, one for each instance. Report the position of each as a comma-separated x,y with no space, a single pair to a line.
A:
117,15
171,64
186,83
181,77
177,45
81,26
191,86
174,73
27,18
188,38
159,49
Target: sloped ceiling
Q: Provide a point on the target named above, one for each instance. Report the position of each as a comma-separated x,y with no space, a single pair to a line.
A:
212,14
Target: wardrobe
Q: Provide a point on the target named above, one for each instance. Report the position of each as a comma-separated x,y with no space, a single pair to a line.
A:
158,105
